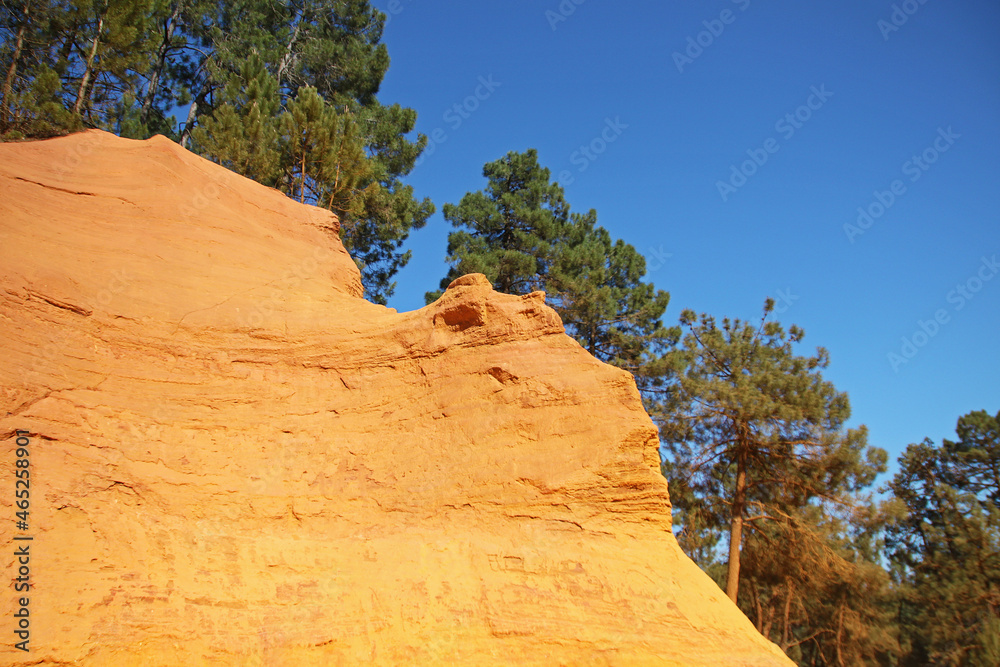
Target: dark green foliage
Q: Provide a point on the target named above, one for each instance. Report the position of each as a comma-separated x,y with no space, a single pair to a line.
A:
242,134
318,131
322,158
38,111
944,540
595,284
30,102
281,92
508,230
110,44
520,233
69,65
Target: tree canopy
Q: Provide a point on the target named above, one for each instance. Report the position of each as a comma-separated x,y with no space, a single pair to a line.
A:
943,534
508,230
519,232
281,92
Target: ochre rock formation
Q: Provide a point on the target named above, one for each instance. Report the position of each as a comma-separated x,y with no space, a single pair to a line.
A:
235,459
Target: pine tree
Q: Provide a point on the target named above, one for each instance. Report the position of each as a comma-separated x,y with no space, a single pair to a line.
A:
755,431
756,447
339,147
307,127
323,158
595,284
944,539
520,233
507,231
242,133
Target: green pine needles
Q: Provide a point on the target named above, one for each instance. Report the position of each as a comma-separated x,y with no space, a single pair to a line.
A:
943,539
520,233
281,92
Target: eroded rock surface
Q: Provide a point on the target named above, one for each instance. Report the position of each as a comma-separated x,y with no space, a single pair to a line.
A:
235,459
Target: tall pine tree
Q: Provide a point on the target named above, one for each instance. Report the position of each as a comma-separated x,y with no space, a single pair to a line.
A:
508,230
756,448
754,432
520,233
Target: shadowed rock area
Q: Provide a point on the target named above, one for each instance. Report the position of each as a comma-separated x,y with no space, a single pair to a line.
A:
235,459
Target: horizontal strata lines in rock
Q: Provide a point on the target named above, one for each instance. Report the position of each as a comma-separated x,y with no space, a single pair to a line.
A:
238,460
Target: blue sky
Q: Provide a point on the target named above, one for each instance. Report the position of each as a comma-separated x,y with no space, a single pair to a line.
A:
733,142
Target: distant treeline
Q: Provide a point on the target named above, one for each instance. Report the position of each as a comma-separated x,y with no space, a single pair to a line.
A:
772,495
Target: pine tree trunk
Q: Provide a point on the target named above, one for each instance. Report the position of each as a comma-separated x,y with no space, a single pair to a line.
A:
193,112
759,610
736,526
840,634
186,133
8,82
161,61
302,189
84,91
286,59
788,608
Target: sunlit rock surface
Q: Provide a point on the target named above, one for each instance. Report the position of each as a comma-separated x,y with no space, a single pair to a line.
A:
235,459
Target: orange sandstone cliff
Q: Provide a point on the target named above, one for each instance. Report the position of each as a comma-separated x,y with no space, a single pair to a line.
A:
235,459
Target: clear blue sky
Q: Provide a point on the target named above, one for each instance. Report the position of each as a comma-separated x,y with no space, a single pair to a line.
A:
911,104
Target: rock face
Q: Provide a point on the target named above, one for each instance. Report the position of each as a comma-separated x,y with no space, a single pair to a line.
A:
235,459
